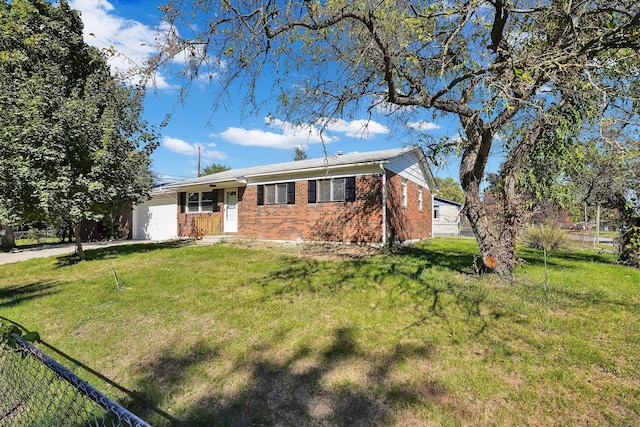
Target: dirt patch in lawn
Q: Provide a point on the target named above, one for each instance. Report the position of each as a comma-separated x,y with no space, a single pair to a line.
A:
320,251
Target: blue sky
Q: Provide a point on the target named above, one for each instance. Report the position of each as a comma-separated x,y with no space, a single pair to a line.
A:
224,136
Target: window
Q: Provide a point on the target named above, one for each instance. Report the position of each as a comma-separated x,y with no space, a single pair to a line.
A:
436,212
206,201
332,190
277,194
193,202
404,193
420,199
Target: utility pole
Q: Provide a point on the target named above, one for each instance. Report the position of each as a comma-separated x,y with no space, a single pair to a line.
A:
198,160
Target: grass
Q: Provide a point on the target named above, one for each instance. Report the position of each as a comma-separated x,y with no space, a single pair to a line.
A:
236,335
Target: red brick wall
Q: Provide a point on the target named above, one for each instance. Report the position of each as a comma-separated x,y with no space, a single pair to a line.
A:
186,221
408,223
357,222
354,222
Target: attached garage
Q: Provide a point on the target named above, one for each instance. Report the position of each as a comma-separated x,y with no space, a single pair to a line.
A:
156,219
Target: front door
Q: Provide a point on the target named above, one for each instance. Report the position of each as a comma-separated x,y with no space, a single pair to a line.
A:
231,210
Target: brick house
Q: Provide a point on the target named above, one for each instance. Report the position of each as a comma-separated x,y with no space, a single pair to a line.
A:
356,198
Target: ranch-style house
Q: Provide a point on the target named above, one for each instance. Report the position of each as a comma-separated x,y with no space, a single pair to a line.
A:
370,197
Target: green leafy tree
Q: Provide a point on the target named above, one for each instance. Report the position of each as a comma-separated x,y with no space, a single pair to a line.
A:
449,189
72,142
299,154
511,74
215,168
611,178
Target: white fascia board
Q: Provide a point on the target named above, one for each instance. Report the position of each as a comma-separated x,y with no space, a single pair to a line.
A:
317,169
316,173
412,169
161,193
200,187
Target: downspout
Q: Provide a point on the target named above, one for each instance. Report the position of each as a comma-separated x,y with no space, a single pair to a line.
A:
384,205
433,202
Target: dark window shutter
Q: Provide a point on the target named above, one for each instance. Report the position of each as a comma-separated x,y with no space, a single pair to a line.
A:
182,201
312,191
260,195
350,189
216,199
291,193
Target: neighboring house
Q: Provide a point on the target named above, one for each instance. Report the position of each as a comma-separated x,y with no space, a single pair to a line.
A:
357,198
446,217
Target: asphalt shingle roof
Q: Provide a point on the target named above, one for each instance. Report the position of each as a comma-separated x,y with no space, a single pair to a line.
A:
301,165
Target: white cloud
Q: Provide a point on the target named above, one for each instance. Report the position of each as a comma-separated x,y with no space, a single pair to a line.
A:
423,126
366,129
132,41
180,146
301,136
290,136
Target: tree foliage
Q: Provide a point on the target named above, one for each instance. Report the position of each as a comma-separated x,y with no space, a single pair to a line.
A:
215,168
72,141
299,154
610,177
449,189
534,72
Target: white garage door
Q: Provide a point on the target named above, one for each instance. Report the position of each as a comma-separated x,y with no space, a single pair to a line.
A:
156,219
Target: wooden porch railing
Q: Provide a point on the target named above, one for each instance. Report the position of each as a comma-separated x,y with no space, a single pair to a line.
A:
208,226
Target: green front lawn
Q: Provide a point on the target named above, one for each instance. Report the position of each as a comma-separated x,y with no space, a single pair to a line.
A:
235,335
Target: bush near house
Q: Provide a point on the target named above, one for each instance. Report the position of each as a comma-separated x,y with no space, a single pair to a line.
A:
234,334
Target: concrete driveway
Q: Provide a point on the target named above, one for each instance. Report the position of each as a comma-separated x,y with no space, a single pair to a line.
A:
61,249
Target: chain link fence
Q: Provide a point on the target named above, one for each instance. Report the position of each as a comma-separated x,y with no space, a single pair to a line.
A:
35,390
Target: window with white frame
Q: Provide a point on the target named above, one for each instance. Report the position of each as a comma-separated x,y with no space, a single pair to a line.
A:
276,194
193,202
201,202
206,201
436,212
420,199
332,190
404,192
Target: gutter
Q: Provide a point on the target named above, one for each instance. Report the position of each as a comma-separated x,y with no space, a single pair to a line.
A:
318,168
205,183
384,205
162,190
433,202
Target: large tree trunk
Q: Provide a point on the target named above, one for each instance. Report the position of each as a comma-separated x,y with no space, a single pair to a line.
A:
629,253
79,250
498,249
6,237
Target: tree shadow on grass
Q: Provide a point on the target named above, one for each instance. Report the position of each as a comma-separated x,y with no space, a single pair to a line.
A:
555,258
455,261
13,295
428,279
112,252
296,389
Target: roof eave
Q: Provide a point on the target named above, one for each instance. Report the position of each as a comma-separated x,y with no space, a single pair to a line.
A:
315,169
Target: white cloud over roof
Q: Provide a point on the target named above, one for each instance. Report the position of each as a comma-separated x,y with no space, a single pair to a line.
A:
366,129
180,146
290,135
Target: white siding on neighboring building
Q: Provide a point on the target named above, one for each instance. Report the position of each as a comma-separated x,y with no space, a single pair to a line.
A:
446,217
156,219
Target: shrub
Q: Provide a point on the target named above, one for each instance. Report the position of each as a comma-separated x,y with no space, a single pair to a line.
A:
547,236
